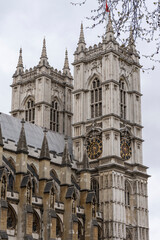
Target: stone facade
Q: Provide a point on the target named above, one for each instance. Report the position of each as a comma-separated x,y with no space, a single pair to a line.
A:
40,91
90,184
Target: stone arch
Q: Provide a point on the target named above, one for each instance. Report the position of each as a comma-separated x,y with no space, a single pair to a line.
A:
11,218
25,100
59,227
59,101
36,223
3,189
29,107
34,168
91,78
80,230
12,163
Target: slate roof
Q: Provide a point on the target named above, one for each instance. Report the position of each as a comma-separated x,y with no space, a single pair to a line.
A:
11,128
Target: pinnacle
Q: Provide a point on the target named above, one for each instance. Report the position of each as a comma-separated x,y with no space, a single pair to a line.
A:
22,143
45,149
81,38
1,139
66,62
66,157
20,60
109,25
131,39
44,52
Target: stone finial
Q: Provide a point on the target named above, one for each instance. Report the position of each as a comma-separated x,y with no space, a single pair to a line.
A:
66,157
44,52
81,37
66,62
1,139
20,60
85,160
131,43
22,143
45,149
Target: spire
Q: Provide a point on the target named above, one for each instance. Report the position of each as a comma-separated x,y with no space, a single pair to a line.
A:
85,159
1,139
20,60
45,149
66,157
66,62
44,52
81,38
66,69
22,143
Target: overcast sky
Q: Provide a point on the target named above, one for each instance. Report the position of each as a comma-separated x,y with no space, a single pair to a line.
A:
24,23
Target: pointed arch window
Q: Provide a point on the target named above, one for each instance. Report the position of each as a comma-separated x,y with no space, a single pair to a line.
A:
96,99
30,111
123,107
95,188
54,117
3,188
11,219
127,194
36,223
59,228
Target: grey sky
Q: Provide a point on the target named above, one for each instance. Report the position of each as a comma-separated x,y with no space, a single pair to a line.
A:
24,23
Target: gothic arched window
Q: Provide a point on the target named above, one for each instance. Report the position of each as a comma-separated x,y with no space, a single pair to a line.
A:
127,194
95,188
59,228
52,198
54,117
74,203
30,111
80,231
11,219
96,99
36,223
123,106
10,182
3,188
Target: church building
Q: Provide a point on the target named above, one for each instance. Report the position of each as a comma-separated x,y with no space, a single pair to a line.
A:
71,163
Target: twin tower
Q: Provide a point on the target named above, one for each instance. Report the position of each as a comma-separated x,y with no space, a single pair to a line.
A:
100,108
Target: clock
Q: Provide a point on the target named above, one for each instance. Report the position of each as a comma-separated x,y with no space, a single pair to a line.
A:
94,147
125,149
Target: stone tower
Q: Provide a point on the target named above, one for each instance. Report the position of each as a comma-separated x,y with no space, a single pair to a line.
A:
40,94
107,119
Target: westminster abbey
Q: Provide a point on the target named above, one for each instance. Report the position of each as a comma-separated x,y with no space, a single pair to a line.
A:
71,164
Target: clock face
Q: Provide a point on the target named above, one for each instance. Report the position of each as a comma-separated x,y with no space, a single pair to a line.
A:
126,150
94,148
